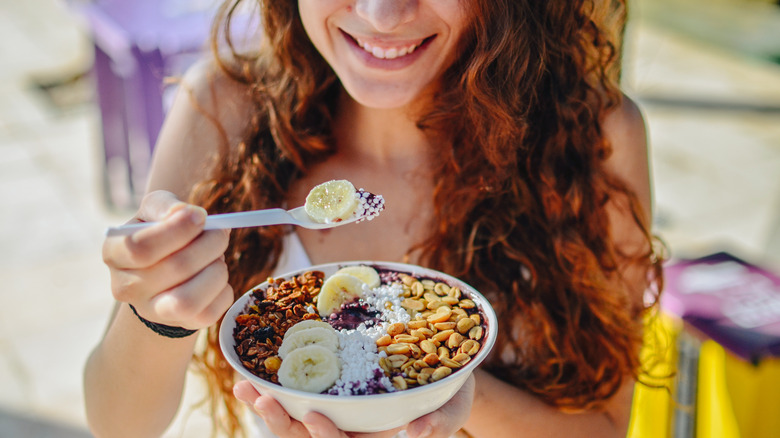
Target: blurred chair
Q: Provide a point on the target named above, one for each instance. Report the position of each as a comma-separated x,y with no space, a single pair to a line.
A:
137,45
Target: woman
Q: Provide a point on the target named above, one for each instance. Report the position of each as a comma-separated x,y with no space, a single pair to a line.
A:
507,156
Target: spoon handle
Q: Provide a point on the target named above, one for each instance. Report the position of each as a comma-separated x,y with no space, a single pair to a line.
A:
255,218
243,219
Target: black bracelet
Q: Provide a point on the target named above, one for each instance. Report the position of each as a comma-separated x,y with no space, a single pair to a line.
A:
168,331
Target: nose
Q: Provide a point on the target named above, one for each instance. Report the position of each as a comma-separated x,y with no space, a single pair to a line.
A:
386,15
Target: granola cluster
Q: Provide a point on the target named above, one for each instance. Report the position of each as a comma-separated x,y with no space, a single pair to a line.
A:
260,329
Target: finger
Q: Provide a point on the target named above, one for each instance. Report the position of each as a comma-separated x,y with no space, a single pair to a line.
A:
385,434
183,264
172,270
211,314
267,407
445,421
422,427
157,205
146,247
189,299
277,419
245,392
319,426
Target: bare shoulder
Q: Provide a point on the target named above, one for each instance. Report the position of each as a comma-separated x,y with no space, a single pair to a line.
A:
210,112
625,129
217,94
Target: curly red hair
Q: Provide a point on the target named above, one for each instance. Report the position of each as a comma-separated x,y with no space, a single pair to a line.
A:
519,120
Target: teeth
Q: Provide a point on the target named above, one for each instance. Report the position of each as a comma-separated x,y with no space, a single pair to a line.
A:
391,53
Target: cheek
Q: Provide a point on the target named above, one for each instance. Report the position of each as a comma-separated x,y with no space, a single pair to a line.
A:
317,17
308,21
458,16
313,18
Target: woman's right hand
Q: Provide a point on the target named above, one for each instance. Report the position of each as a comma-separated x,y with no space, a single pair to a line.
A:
174,272
282,425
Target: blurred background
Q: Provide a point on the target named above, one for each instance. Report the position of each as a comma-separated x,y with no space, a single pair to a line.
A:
81,94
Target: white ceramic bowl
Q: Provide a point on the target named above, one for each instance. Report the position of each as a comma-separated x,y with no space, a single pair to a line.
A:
366,413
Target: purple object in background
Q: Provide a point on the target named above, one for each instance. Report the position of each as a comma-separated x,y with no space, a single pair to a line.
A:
138,43
735,303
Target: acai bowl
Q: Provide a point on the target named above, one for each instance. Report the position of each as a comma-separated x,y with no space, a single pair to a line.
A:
371,345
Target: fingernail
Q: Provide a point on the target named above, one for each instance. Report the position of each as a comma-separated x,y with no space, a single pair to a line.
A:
179,215
197,215
178,207
425,432
310,429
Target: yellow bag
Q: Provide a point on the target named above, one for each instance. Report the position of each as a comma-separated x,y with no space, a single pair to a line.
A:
652,410
733,397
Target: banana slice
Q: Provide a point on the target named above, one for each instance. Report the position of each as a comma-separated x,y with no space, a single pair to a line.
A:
332,201
306,324
324,337
337,290
365,273
313,368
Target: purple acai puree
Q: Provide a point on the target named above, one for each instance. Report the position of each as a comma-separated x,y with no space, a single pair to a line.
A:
369,387
352,314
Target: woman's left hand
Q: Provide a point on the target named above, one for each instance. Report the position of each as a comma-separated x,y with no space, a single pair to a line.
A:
441,423
448,419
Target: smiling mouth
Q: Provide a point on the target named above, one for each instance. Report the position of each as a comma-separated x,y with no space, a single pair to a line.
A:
392,52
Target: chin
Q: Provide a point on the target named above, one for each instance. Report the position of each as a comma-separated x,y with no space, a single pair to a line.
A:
382,103
382,97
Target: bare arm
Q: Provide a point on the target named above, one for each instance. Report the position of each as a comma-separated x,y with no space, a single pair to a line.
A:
173,273
501,410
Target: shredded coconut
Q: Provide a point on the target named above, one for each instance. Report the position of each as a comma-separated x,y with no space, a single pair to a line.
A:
360,371
369,205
